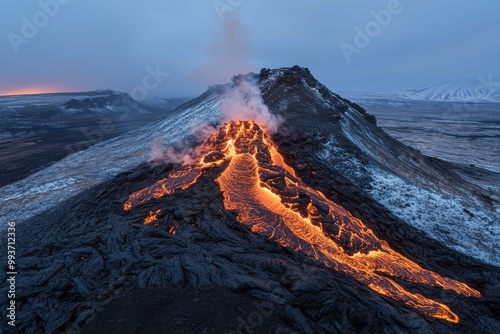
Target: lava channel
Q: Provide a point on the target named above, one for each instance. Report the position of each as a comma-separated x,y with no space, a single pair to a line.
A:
272,201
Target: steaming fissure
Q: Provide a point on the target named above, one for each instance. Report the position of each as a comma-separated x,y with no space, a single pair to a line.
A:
272,201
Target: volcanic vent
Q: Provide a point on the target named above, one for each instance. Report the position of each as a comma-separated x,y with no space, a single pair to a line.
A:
272,201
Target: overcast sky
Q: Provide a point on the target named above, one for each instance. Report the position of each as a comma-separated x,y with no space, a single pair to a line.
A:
116,44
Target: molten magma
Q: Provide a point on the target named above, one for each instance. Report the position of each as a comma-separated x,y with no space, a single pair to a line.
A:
175,181
151,217
273,202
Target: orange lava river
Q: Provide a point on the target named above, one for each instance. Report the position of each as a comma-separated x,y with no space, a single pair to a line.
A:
273,202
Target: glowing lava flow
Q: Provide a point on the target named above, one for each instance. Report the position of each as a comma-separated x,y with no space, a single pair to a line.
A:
175,181
273,202
151,217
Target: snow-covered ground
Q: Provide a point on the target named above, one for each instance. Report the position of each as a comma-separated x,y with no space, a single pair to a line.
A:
471,90
84,169
468,228
466,134
480,89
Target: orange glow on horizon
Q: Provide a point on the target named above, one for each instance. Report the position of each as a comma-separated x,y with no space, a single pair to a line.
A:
32,91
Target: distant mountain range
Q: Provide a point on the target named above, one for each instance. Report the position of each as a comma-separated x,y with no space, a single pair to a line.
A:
480,89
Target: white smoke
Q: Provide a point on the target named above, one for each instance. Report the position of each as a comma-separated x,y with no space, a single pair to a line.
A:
227,55
160,154
243,101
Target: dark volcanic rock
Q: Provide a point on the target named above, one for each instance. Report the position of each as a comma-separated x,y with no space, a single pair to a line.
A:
210,310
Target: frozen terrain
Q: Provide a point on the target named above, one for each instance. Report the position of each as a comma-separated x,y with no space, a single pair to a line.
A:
483,88
37,130
480,89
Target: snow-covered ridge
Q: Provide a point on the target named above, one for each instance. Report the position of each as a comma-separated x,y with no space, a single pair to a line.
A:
440,216
481,89
474,90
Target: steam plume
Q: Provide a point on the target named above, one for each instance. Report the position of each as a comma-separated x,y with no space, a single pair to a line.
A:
243,101
160,154
227,56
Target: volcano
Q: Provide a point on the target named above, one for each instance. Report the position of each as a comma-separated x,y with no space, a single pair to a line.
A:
299,212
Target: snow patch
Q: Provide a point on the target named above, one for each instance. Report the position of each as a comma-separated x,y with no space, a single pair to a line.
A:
470,229
340,159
